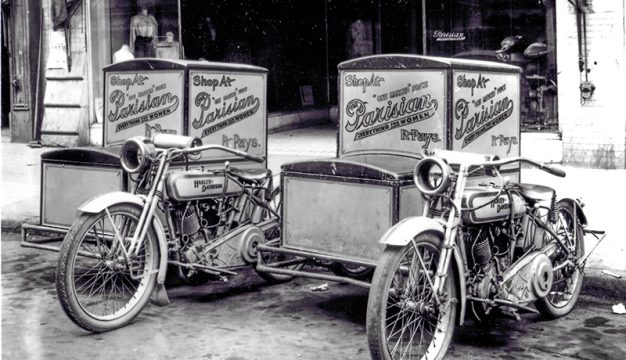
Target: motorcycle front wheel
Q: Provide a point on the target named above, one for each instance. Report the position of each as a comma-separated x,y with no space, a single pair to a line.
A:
568,280
403,320
99,288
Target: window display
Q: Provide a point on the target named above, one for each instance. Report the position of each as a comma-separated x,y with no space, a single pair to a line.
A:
143,31
517,32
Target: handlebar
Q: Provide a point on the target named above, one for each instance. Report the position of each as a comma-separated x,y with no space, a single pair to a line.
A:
475,160
198,149
549,169
182,145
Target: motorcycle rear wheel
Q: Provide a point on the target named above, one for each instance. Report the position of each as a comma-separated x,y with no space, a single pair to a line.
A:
568,281
402,319
93,277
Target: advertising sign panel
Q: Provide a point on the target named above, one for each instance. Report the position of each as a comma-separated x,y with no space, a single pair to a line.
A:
486,113
142,103
228,109
392,111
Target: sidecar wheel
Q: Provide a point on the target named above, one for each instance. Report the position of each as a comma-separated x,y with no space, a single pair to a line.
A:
352,271
403,321
568,281
93,277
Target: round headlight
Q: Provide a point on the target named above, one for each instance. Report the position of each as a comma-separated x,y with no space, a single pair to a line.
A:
431,175
136,154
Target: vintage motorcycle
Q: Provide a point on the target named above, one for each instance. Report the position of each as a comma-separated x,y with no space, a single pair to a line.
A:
115,256
480,249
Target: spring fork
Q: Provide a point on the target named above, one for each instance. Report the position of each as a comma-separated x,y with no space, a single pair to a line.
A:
450,233
149,207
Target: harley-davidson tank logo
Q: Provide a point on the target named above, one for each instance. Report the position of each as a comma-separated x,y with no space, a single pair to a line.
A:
147,109
230,112
369,122
471,127
206,184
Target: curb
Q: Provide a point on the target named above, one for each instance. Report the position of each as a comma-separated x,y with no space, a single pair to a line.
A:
600,285
15,225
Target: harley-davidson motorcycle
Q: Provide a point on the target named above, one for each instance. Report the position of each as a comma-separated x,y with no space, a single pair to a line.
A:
505,248
202,222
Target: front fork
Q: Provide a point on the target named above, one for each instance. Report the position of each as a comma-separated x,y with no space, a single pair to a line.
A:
149,208
449,238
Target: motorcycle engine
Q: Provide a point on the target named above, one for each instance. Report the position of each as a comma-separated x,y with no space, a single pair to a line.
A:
197,224
495,273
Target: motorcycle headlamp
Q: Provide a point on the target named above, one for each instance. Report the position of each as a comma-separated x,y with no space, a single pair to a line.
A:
137,154
431,175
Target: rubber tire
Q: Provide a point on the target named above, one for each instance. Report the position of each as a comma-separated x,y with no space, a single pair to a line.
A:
340,269
544,305
376,304
64,270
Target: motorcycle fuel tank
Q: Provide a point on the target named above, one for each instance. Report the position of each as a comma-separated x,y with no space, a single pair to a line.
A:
197,185
497,210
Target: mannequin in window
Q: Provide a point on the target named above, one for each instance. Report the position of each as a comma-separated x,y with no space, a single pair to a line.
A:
143,32
360,42
168,48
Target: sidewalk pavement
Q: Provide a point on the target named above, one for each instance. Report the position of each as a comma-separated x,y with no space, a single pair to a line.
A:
602,190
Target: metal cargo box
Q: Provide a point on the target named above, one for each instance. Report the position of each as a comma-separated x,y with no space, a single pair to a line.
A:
69,177
343,206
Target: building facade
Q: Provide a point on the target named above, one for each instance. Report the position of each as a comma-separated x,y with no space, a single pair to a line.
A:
560,45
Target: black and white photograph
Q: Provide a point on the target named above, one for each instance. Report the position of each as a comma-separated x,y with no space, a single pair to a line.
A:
306,180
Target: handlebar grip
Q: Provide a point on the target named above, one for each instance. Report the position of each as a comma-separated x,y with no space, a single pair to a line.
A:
253,158
552,170
175,141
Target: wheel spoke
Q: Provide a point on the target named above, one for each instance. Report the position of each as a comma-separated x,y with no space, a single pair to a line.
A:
100,278
413,326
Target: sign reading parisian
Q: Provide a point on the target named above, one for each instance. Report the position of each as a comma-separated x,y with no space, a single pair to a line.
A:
397,111
142,103
486,113
228,109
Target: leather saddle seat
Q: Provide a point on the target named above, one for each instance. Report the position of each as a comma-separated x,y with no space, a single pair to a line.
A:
533,193
250,175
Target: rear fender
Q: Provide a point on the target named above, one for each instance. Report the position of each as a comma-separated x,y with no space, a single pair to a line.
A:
102,202
580,214
409,228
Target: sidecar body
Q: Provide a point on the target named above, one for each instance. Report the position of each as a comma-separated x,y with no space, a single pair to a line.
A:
221,103
391,109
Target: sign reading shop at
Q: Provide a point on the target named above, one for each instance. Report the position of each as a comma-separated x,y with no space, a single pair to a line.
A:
142,103
401,111
486,113
228,109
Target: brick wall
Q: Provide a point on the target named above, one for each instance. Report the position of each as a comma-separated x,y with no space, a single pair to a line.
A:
594,131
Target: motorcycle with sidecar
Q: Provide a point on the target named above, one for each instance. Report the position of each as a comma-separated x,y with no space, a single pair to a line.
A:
482,242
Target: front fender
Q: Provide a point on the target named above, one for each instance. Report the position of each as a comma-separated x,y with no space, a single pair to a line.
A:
409,228
101,202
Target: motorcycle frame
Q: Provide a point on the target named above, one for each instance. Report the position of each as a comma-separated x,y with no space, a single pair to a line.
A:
164,158
452,223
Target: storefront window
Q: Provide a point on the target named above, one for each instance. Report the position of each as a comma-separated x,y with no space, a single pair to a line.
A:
127,29
518,32
302,42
